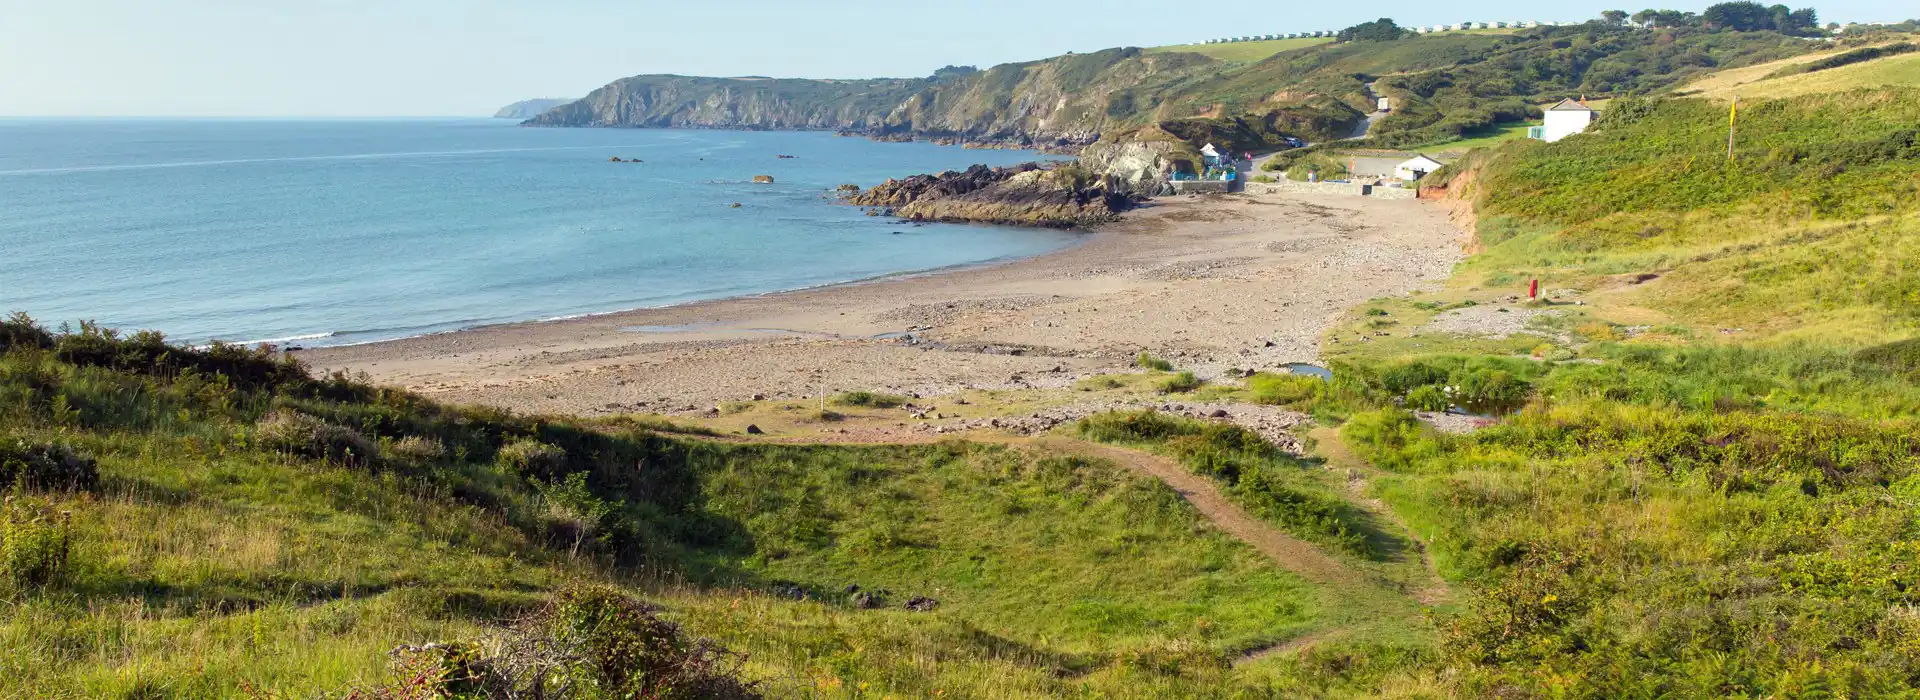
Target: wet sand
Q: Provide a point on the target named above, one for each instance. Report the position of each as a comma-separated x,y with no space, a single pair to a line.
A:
1214,284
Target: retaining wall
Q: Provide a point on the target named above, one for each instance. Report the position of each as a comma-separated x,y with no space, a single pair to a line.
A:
1345,188
1202,187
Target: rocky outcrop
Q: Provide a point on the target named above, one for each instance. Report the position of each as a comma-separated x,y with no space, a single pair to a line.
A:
1140,162
528,109
1025,195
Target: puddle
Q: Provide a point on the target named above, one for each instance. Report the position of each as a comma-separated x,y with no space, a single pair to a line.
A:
1309,370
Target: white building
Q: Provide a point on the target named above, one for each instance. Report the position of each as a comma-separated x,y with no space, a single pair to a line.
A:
1565,119
1416,168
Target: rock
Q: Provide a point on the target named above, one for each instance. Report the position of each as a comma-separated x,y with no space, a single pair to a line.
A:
763,179
735,205
1026,195
615,159
759,397
922,604
853,588
866,601
1218,413
784,157
755,430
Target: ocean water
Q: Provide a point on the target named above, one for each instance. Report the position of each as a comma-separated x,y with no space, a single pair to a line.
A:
334,232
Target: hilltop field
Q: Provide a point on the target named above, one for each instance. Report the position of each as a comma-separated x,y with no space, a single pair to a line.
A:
1690,468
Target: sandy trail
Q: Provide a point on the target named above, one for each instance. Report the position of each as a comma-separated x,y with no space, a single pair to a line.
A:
1213,284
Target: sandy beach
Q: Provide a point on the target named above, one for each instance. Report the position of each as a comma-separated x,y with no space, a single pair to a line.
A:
1215,285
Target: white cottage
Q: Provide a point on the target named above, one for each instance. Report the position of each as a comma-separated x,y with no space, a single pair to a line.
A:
1416,168
1565,119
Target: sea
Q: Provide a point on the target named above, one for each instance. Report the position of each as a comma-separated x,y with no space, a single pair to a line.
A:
315,233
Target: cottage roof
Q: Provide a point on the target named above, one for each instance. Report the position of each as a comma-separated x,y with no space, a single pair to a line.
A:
1421,162
1570,105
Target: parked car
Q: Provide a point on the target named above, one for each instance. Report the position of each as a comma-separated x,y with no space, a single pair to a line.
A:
1293,142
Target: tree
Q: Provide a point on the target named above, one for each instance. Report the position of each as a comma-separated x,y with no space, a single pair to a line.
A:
1646,17
1804,19
1382,29
1740,16
1614,17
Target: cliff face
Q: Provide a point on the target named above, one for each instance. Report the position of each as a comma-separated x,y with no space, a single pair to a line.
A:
663,101
528,109
1062,103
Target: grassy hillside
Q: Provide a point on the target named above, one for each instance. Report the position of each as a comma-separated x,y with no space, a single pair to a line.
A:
1240,52
1705,483
216,523
1897,70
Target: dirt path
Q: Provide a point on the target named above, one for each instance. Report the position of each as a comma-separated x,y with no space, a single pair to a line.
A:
1291,553
1327,444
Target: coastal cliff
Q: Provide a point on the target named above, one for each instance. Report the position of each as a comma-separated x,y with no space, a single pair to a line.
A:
1060,104
528,109
1024,195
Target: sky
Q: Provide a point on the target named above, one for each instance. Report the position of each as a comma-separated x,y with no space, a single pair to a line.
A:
320,58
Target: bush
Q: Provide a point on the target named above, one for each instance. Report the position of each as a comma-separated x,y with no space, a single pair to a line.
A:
1285,389
1148,361
1180,383
868,399
1490,390
35,542
529,456
419,449
293,432
40,466
596,641
1400,379
19,331
1428,398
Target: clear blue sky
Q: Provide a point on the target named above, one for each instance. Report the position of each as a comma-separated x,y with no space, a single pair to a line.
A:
467,57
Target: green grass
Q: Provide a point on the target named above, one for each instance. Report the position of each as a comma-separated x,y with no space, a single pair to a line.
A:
197,559
1481,138
1243,52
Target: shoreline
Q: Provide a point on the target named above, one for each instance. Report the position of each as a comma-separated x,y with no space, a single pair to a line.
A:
1215,284
284,345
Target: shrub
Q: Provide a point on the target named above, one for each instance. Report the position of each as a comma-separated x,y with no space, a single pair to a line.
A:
35,542
1399,379
418,448
868,399
574,515
1489,390
529,456
595,641
41,466
1285,389
1428,398
1148,361
1134,426
1180,383
293,432
19,331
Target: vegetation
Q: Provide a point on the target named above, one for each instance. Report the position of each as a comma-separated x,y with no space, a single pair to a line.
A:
215,522
1846,59
1242,51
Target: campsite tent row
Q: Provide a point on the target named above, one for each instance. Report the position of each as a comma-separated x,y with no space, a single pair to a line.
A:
1463,26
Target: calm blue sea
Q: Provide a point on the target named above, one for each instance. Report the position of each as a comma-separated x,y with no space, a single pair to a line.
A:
332,232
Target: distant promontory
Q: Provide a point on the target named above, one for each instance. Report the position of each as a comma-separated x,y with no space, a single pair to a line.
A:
528,109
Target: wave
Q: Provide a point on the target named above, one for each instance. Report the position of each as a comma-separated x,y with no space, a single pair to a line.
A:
288,159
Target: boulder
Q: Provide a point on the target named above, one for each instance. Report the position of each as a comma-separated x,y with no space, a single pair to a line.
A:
922,604
763,179
755,430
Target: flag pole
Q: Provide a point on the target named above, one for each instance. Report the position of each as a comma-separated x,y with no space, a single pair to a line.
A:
1733,115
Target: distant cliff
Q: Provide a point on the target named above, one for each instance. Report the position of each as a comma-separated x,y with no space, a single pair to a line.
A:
1064,102
528,109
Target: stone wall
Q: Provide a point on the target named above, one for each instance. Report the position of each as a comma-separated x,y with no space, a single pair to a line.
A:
1202,187
1346,188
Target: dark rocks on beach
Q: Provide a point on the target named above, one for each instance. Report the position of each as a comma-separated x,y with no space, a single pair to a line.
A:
1220,413
1028,195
